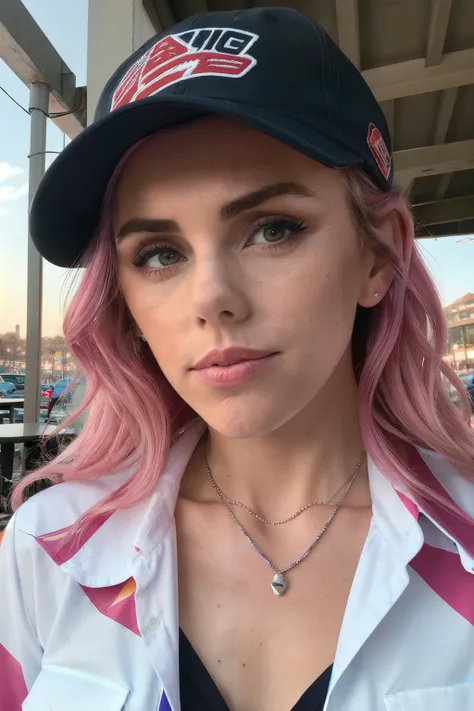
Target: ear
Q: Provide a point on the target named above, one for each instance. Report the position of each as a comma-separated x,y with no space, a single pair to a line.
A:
381,274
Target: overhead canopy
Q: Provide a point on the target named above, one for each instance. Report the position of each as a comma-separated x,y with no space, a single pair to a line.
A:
418,58
27,51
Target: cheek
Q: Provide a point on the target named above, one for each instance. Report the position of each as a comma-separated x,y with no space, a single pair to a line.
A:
317,310
156,318
320,294
165,337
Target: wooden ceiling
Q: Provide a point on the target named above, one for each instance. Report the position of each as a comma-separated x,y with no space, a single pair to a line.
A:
418,58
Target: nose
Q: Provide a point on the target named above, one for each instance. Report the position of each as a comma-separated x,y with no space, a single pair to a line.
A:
218,294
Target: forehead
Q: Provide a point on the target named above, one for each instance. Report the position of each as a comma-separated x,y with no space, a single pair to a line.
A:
215,149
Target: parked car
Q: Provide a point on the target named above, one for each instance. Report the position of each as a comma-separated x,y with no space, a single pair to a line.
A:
59,391
46,395
8,389
17,379
468,381
61,411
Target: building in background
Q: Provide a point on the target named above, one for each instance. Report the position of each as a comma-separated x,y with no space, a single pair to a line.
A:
460,318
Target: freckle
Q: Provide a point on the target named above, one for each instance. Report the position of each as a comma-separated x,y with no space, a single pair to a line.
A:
243,664
218,661
261,644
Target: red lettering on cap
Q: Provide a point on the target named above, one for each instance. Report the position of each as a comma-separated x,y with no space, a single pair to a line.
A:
379,150
183,56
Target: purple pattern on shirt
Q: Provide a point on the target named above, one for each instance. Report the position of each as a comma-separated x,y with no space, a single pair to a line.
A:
164,703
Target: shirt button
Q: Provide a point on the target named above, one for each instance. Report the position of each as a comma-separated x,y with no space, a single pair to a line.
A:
153,623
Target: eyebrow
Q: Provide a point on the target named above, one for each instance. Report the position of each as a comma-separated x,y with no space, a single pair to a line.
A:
258,197
229,211
142,224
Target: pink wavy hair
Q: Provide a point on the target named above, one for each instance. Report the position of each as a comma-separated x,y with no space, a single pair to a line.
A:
135,414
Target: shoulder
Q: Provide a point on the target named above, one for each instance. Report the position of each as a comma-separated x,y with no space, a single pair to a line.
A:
450,481
62,505
41,536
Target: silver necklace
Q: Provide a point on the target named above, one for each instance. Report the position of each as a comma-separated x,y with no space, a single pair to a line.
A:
279,583
233,502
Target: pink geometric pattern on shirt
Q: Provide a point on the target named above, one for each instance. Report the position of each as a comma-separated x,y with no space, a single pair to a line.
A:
409,505
443,572
462,531
13,689
116,602
61,548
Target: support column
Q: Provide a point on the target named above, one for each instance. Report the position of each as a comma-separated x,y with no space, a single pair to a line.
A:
116,29
39,104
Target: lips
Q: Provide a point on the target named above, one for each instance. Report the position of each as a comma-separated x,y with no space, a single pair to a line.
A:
230,356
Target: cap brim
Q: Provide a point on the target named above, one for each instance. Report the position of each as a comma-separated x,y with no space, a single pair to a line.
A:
66,207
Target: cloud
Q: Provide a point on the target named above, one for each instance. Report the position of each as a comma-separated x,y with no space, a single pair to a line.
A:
8,193
8,171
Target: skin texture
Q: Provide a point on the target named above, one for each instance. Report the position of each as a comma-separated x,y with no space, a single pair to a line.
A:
286,437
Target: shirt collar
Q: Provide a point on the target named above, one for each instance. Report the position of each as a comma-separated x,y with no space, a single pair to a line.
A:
399,514
106,558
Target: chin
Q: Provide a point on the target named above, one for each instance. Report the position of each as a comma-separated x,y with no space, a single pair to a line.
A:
242,421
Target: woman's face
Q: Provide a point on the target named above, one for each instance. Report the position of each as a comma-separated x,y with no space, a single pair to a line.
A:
226,237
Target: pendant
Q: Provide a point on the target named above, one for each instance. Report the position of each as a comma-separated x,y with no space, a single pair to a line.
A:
279,584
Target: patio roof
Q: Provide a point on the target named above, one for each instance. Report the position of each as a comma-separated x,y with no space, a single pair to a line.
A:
418,58
31,56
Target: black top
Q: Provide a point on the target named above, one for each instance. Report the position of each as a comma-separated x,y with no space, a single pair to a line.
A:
200,693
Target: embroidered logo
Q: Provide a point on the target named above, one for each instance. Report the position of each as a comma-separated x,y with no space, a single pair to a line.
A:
379,150
206,52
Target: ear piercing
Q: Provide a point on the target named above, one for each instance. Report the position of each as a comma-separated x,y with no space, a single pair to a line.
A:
377,294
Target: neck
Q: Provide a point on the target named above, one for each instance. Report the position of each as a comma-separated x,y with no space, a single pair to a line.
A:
309,458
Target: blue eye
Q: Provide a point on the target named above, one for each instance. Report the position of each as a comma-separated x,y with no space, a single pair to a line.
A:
274,231
155,257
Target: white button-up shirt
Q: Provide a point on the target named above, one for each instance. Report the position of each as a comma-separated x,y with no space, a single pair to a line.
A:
93,624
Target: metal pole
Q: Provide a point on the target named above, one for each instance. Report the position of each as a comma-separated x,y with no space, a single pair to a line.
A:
39,105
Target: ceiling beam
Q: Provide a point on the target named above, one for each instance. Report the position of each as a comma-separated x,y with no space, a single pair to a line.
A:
443,211
388,107
160,14
192,7
446,229
439,20
443,185
30,55
445,112
433,160
404,182
347,14
72,124
412,77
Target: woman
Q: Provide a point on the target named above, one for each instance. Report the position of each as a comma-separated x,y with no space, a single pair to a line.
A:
262,346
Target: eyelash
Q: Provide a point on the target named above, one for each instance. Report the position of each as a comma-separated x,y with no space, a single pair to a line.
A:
294,227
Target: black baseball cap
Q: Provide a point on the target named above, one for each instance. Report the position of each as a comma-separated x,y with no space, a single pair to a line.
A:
272,68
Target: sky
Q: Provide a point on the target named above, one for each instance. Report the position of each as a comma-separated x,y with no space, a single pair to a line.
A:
65,23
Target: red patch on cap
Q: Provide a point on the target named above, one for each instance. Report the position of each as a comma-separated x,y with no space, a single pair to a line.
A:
379,150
